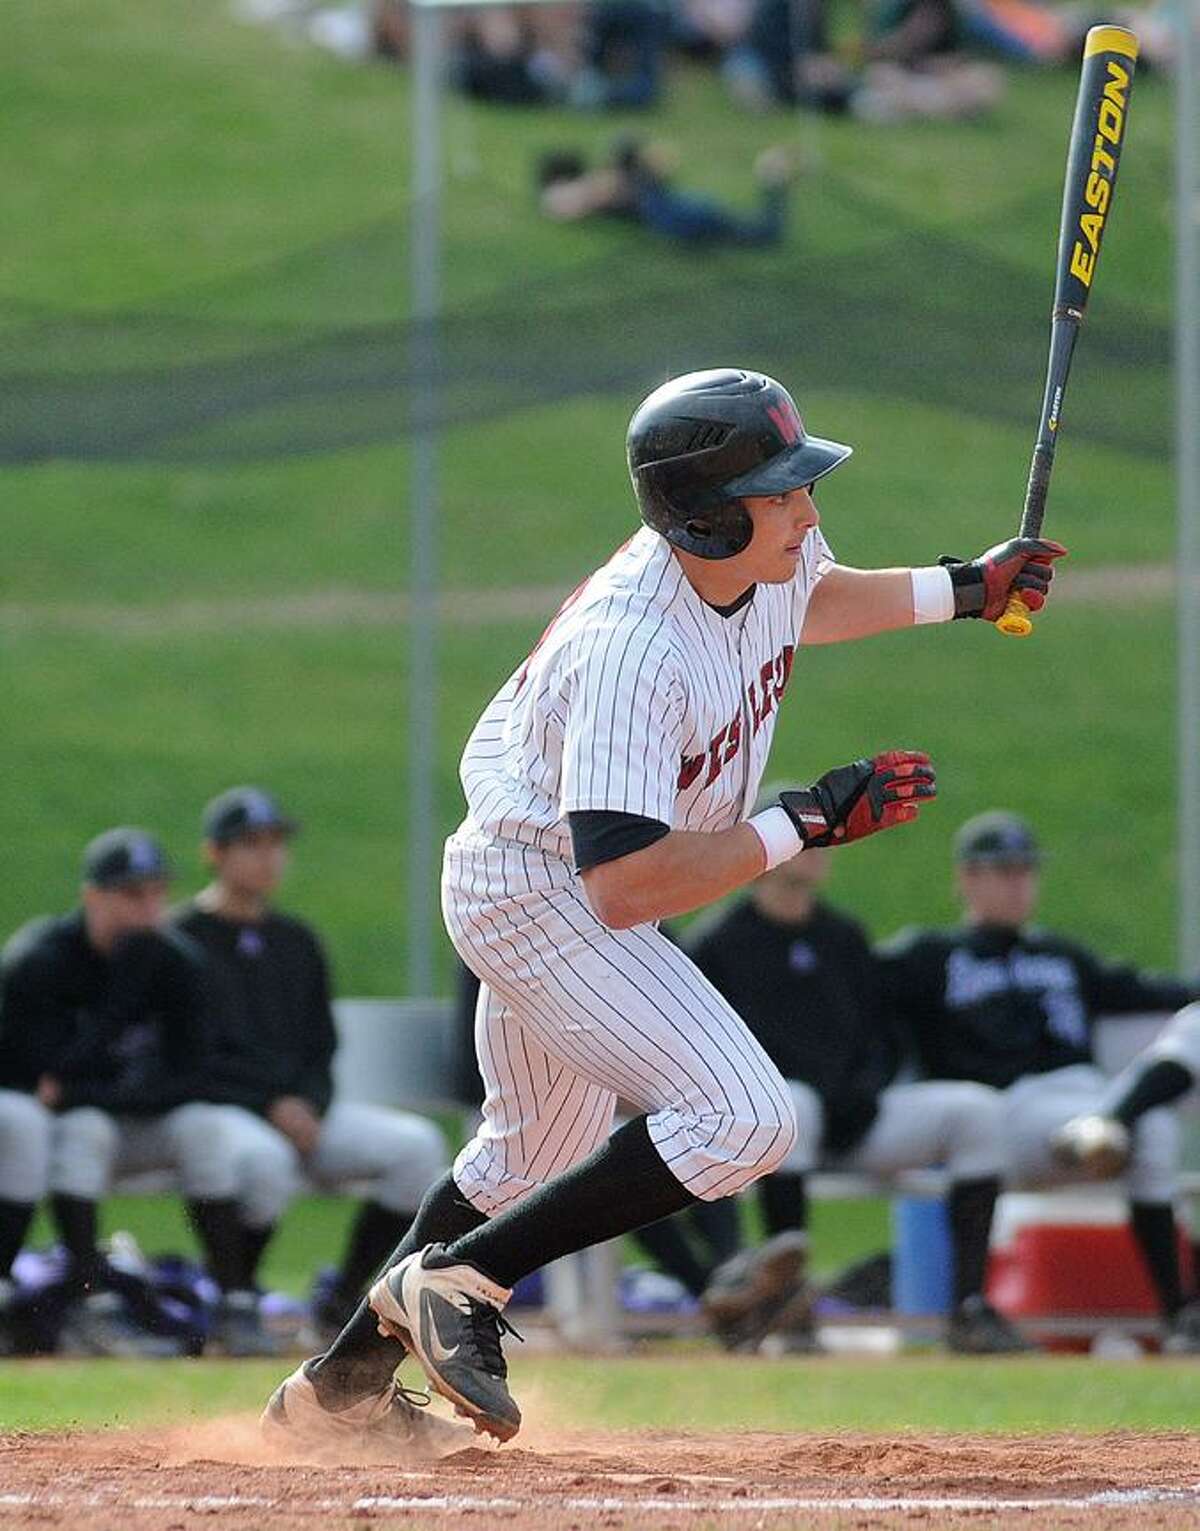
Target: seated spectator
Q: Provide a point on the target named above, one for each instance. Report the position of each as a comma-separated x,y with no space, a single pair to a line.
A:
802,977
708,29
623,56
268,1004
908,68
636,184
1002,1003
496,57
25,1127
765,66
100,1023
914,32
510,54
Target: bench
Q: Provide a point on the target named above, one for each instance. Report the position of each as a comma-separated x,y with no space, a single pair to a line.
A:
391,1052
586,1306
403,1052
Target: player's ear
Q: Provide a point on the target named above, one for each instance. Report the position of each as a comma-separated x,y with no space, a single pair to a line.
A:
210,854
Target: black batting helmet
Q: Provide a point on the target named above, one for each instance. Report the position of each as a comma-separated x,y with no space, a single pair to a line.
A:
703,440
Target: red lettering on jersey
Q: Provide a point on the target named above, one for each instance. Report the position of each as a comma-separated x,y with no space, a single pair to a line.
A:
766,679
689,769
714,756
725,744
786,421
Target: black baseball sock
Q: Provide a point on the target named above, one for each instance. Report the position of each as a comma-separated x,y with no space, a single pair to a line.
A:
668,1244
1157,1084
623,1185
1153,1224
361,1361
219,1228
784,1202
77,1222
969,1209
254,1246
15,1218
376,1233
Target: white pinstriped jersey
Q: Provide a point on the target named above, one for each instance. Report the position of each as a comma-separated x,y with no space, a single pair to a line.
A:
639,698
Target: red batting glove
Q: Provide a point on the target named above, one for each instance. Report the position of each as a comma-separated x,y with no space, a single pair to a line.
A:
1020,566
853,801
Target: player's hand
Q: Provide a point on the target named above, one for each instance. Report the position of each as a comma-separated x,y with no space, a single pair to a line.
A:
49,1092
298,1122
983,585
856,800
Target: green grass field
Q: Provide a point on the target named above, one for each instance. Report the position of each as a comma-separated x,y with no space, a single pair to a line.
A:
202,309
686,1389
155,723
203,459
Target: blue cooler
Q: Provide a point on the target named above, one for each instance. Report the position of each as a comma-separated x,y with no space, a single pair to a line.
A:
922,1257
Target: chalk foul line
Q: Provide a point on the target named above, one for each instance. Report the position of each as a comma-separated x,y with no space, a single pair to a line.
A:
453,1504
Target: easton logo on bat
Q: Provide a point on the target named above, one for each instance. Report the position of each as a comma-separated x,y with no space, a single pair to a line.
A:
1110,124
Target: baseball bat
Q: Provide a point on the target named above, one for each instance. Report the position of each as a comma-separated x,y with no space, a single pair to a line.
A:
1097,134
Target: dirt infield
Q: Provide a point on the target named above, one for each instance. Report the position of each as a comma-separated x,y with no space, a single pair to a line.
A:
213,1475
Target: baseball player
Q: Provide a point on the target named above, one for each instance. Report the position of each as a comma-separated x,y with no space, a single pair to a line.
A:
271,1062
802,976
25,1128
608,784
1004,1003
100,1024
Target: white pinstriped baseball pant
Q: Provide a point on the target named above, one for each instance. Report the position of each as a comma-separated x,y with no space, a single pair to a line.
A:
573,1016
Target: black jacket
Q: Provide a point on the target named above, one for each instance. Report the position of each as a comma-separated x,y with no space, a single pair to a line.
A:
809,993
268,1006
993,1004
124,1032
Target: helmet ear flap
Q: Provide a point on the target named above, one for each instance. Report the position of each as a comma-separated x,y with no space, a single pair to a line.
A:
724,532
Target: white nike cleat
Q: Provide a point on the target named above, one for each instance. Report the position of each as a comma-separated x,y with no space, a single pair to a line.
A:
448,1314
390,1426
1098,1146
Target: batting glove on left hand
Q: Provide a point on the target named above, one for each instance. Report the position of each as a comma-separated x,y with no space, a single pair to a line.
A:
860,799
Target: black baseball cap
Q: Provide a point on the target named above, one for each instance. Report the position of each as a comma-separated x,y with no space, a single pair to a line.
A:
996,839
241,811
122,856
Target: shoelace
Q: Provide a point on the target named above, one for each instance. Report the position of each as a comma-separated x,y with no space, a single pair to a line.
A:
488,1326
417,1397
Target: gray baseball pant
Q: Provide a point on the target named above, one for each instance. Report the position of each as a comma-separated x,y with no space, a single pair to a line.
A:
25,1128
944,1122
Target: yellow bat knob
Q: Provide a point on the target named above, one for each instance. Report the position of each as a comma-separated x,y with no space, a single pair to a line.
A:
1015,621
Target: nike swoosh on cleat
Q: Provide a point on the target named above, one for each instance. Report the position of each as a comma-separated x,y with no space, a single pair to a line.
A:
437,1350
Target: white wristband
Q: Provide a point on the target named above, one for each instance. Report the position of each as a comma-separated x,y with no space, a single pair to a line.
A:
932,594
780,837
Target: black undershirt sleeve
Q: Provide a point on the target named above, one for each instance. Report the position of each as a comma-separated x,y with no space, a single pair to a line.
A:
600,834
